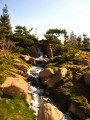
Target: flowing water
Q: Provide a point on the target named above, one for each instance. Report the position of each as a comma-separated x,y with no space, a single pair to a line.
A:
34,89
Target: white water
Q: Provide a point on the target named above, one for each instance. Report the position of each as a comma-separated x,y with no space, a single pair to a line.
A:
39,99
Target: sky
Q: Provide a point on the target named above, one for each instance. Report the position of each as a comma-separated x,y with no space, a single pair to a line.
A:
42,15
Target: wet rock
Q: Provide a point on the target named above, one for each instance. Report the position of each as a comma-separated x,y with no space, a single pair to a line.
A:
61,73
21,66
87,78
49,112
46,73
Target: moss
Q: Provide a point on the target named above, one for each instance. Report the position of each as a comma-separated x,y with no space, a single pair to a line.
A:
2,79
15,108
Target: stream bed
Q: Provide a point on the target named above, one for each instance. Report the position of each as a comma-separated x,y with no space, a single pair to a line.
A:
38,92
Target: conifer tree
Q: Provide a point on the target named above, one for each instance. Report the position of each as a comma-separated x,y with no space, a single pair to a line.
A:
5,26
5,31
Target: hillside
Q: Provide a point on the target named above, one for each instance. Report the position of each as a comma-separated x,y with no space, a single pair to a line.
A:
72,91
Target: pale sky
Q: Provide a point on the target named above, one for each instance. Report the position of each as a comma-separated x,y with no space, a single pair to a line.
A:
44,14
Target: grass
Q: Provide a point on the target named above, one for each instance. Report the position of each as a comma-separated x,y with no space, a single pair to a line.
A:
73,88
15,108
12,108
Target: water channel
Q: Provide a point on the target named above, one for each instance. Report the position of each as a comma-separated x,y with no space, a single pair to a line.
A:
38,92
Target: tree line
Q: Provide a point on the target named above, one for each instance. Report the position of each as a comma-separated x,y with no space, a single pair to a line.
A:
21,40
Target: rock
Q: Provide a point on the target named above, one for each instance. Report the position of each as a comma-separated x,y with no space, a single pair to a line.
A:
83,61
75,54
77,112
46,73
45,62
17,60
34,52
61,73
18,75
32,60
49,51
49,112
47,48
25,57
87,78
21,66
14,86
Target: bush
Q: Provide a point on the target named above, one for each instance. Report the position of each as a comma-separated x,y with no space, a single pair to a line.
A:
17,49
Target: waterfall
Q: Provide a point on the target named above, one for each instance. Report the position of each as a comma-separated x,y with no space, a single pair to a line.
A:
35,90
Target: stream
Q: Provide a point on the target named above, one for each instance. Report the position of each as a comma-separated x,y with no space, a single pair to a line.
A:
38,92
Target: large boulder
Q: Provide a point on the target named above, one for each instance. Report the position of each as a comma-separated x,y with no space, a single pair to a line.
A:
34,52
77,112
87,78
25,57
46,73
61,73
83,61
32,60
49,112
21,66
14,86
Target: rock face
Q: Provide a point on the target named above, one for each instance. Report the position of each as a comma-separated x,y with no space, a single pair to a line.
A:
25,57
46,73
14,86
87,78
47,48
33,52
49,51
83,61
32,60
61,73
49,112
21,66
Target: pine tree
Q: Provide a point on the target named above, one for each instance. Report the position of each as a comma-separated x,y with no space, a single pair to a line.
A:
5,31
5,26
86,42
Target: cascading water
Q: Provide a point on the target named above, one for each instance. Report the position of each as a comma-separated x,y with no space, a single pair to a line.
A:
35,90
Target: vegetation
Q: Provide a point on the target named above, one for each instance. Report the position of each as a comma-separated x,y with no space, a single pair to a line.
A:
12,45
15,108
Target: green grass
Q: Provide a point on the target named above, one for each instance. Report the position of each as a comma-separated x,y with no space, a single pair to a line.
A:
15,108
12,108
